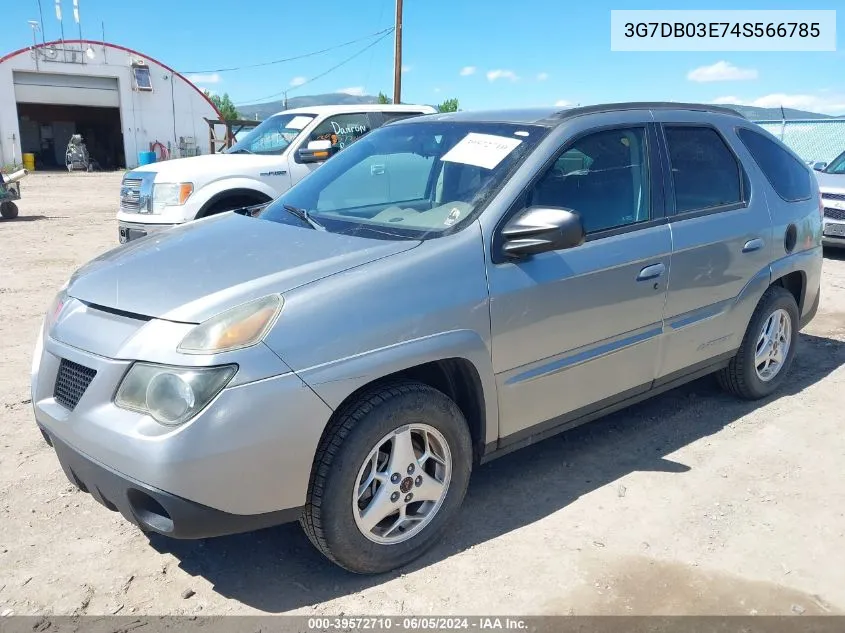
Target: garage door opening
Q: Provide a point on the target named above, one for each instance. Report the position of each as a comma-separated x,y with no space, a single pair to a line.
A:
46,129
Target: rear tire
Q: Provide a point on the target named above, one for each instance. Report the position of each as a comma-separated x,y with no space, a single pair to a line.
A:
773,326
8,210
333,516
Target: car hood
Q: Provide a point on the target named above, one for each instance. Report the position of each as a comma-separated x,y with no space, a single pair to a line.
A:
831,183
194,271
185,169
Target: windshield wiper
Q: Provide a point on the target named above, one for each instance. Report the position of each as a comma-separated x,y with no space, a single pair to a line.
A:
303,215
241,150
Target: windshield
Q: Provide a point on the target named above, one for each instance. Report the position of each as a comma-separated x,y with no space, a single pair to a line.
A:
837,166
273,135
410,180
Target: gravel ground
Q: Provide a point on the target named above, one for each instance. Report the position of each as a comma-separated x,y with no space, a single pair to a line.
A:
691,503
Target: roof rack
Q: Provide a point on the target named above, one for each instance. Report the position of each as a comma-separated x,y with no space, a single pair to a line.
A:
645,105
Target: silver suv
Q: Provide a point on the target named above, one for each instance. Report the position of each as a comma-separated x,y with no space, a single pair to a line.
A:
446,290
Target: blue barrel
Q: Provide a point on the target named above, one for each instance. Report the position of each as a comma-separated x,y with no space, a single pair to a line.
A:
145,158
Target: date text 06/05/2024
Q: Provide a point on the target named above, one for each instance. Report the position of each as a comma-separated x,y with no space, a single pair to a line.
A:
425,623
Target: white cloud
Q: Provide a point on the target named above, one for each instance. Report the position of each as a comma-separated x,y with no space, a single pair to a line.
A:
721,71
204,78
542,76
563,103
297,81
493,75
406,68
355,91
828,104
466,71
437,90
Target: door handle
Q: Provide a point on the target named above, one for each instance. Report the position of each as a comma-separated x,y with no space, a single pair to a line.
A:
376,170
651,272
752,245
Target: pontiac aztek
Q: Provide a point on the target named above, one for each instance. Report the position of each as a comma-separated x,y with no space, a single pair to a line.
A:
445,290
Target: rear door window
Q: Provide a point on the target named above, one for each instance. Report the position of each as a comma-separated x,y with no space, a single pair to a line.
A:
705,172
788,176
342,129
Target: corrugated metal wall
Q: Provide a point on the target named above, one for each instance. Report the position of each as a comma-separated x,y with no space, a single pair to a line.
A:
811,139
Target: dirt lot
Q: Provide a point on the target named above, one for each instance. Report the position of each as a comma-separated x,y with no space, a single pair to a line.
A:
691,503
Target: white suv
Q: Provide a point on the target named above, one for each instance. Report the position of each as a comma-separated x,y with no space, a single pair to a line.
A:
257,169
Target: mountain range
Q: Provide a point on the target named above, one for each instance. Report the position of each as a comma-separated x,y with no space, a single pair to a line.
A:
263,110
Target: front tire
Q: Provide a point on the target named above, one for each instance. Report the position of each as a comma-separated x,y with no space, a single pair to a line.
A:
767,349
390,474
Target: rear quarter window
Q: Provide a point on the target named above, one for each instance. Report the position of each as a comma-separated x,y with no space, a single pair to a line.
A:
788,177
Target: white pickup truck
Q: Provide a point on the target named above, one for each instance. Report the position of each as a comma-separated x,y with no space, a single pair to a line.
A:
265,163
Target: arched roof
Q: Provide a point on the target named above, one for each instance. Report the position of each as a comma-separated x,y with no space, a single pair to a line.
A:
120,48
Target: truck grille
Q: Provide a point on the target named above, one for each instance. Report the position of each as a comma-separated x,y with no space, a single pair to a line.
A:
833,196
834,214
130,195
71,382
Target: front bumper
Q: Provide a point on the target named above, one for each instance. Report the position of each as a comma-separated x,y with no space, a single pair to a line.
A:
248,453
833,230
155,510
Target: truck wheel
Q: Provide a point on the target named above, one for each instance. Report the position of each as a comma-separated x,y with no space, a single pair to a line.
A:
8,210
389,475
767,349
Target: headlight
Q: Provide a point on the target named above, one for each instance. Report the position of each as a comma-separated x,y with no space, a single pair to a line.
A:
171,395
55,309
236,328
167,194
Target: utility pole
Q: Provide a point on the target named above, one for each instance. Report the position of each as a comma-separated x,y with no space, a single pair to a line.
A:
35,28
397,58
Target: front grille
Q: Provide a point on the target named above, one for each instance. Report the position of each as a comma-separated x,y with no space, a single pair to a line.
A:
833,196
834,214
130,195
71,382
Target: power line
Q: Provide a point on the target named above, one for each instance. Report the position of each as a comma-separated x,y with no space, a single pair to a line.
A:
370,62
383,32
324,73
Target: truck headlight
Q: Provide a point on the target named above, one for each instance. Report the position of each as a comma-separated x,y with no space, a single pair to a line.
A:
171,395
170,194
242,326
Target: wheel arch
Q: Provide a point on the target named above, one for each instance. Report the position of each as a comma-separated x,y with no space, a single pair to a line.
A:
456,363
238,195
796,283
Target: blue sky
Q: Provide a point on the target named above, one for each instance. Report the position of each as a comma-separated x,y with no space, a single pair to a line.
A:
487,53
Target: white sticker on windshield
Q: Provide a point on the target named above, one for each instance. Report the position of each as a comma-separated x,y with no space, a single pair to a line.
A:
481,150
298,122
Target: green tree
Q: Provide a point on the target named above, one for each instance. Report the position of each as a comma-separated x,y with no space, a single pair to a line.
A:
224,104
450,105
383,98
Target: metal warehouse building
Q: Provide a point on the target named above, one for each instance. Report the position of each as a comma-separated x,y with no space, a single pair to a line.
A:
121,101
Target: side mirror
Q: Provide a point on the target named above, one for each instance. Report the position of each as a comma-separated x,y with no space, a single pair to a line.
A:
315,152
819,166
541,229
